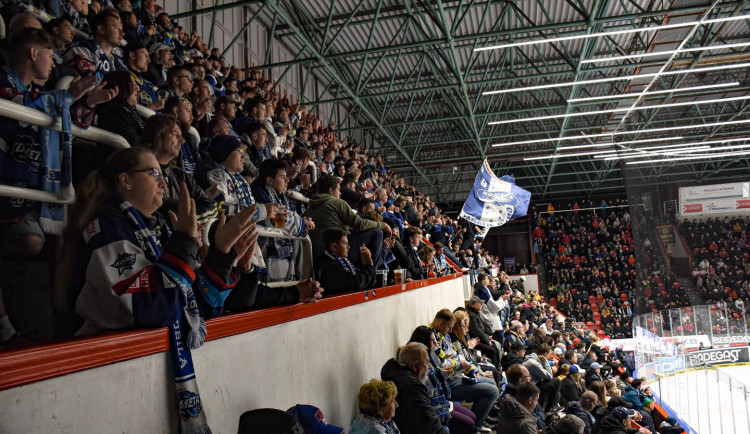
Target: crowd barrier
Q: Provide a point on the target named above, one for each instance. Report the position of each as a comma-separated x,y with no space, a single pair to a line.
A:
687,355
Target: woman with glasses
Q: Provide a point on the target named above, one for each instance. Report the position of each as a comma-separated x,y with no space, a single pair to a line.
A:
163,137
125,267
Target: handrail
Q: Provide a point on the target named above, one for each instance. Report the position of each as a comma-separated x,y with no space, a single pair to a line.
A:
44,17
20,112
32,364
296,195
146,112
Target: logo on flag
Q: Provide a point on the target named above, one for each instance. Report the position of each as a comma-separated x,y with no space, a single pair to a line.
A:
494,201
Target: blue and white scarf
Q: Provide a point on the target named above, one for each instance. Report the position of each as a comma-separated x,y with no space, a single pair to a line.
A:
54,174
186,333
241,188
344,262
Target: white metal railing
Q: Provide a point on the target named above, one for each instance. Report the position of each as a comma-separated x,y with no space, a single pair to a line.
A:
44,17
296,195
19,112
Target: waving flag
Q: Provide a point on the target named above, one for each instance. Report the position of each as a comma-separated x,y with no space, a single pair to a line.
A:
494,201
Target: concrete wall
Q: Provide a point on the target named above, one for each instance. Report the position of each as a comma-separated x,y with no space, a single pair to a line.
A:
320,360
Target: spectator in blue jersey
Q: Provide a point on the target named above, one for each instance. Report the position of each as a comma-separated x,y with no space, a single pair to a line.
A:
26,151
136,59
282,256
182,110
224,184
99,55
126,267
75,11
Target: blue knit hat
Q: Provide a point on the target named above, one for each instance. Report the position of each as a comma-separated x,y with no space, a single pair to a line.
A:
221,147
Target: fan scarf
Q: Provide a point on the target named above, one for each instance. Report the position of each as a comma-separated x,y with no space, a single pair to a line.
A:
186,333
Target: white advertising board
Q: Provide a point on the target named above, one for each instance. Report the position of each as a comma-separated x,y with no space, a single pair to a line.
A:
715,199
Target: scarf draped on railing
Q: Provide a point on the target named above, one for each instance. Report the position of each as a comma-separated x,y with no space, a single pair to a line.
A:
188,332
54,172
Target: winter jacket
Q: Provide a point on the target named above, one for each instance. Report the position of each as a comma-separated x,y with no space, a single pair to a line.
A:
509,359
631,395
609,425
514,418
539,371
414,414
576,409
330,213
569,391
592,376
478,328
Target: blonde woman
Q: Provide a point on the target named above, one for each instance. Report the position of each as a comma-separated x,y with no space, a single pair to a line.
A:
377,407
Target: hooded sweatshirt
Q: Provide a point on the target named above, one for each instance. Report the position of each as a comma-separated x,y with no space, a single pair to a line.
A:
539,371
576,409
609,425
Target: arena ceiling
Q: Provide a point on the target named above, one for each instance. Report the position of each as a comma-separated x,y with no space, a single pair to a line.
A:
438,84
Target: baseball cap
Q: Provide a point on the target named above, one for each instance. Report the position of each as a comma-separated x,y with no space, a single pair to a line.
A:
157,47
313,421
558,351
596,366
475,299
622,413
132,47
573,369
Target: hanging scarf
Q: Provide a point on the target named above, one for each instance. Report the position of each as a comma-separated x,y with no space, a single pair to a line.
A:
390,427
186,333
54,173
241,190
344,262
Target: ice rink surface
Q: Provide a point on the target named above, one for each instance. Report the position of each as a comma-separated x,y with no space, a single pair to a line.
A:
710,401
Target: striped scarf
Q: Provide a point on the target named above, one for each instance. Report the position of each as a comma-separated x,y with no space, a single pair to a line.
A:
189,324
241,189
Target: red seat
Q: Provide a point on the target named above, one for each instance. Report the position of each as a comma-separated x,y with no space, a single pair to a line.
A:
601,334
597,316
623,296
592,299
590,325
598,325
595,307
600,299
553,302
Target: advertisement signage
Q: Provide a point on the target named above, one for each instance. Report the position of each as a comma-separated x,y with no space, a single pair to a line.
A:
722,356
730,339
715,199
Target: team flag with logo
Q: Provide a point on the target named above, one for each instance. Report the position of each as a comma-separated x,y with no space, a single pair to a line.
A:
494,201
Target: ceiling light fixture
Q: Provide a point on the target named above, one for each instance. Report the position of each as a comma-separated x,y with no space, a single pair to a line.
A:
627,142
656,92
698,157
618,78
621,109
612,33
666,53
621,133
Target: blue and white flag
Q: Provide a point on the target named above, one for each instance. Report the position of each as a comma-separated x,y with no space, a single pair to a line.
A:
494,201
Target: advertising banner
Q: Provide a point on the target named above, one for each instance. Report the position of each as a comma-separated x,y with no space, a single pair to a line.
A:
722,356
730,339
715,199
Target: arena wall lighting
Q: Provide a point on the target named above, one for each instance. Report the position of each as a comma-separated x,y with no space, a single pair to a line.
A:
612,33
621,110
656,92
621,133
618,78
666,53
637,153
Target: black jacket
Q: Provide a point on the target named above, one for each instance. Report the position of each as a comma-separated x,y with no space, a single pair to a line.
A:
114,117
509,359
478,328
569,391
608,425
336,280
249,295
576,409
414,414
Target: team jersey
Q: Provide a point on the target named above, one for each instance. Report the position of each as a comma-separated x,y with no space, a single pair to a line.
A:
88,57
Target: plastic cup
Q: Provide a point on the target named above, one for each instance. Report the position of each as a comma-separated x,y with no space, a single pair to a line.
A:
280,220
398,276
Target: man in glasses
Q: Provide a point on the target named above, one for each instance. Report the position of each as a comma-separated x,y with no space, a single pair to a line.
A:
179,83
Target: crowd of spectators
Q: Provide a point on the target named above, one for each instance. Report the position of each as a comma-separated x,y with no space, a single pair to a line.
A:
590,263
721,257
225,143
523,367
